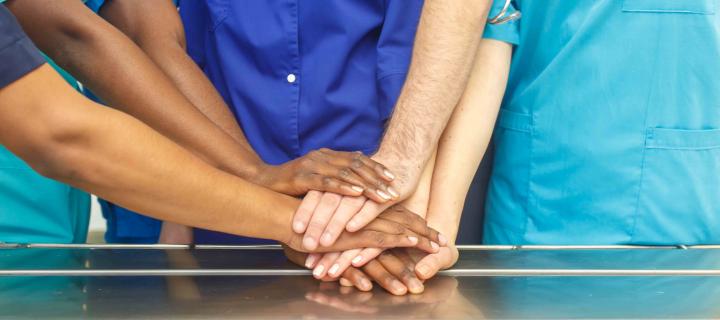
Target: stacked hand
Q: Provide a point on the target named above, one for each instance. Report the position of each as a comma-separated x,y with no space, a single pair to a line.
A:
397,270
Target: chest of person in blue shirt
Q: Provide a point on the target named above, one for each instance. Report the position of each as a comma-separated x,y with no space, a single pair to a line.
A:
298,76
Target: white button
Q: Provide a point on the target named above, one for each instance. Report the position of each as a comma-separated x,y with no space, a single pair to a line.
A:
291,78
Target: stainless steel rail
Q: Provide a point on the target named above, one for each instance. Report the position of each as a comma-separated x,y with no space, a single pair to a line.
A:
303,272
278,247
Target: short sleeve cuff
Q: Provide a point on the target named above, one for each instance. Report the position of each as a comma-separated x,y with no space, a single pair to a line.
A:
506,32
18,59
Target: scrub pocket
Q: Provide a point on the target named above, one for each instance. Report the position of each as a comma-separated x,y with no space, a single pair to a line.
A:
670,6
679,200
507,202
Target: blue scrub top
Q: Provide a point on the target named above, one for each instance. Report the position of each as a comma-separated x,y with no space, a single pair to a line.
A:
300,75
610,128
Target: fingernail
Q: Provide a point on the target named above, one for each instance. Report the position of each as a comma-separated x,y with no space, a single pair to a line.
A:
434,245
442,239
345,282
310,261
309,243
351,226
423,270
392,191
397,286
357,260
413,240
318,271
334,269
358,189
299,227
365,284
327,238
383,195
389,174
415,286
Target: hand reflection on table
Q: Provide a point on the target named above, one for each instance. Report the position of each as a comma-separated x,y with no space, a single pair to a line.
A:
303,296
441,299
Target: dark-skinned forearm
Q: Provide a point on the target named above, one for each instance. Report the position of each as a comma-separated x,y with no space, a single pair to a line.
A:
109,63
156,28
65,136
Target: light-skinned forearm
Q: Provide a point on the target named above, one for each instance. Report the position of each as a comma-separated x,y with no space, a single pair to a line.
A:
445,46
114,68
467,135
67,137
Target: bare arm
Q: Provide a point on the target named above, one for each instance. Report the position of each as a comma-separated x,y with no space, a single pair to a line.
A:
114,68
463,145
156,28
443,53
66,137
466,138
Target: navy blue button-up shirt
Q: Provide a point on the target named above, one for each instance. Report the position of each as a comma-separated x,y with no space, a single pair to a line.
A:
303,75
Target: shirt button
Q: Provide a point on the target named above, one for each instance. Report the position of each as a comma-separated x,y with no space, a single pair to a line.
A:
291,78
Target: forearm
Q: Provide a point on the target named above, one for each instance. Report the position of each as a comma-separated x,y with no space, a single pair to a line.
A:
66,137
467,135
108,63
156,28
447,39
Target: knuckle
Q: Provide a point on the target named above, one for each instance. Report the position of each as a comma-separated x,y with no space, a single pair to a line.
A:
356,163
315,226
306,161
344,172
379,239
405,274
326,181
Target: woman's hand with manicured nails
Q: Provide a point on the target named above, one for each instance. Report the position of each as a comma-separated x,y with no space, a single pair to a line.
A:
395,227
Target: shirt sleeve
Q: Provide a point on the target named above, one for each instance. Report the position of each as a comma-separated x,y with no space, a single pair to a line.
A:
18,55
509,31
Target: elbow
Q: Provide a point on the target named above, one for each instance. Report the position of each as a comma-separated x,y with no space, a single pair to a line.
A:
74,40
58,153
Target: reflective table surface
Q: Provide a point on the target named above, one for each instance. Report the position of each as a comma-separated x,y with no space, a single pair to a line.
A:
106,281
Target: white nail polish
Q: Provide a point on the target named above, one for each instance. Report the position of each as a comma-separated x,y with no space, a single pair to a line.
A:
318,271
383,195
310,261
357,259
334,269
389,174
393,192
412,239
358,188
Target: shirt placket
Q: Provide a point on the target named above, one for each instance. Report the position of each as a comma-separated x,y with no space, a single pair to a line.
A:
293,76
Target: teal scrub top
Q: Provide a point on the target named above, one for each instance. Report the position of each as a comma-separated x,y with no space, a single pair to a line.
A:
609,132
37,209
